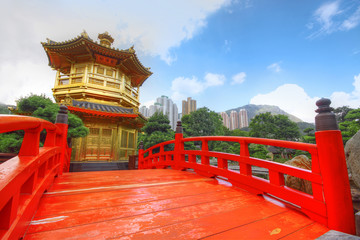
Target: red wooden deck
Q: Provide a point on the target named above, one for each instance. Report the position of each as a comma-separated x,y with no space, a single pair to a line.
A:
161,204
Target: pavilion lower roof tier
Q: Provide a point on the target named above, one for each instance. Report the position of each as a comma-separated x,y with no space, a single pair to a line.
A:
107,111
82,49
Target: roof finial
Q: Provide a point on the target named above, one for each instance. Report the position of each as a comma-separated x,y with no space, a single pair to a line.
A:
105,39
131,49
84,34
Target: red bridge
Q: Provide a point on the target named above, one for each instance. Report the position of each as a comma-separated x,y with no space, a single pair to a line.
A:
173,196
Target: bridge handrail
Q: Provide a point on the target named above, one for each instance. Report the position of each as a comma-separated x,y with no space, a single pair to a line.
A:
330,203
24,178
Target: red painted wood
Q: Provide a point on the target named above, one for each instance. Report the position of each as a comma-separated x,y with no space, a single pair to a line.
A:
336,181
24,178
327,162
190,207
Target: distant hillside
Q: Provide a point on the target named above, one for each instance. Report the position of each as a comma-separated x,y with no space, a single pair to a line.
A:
304,125
253,110
4,108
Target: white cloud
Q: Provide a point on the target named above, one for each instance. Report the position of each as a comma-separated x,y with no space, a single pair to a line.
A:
238,78
148,103
183,87
329,18
154,27
212,79
275,67
352,21
325,13
352,99
25,79
292,99
227,46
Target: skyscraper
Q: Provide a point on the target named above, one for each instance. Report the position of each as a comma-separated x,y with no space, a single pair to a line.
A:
234,120
226,119
243,118
165,106
188,106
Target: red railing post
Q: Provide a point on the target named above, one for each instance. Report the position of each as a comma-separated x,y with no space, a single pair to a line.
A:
333,170
141,156
62,123
179,146
31,141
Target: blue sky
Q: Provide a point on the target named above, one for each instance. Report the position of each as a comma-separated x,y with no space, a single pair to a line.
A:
222,53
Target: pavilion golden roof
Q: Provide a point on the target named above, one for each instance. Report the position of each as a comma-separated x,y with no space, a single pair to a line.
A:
83,49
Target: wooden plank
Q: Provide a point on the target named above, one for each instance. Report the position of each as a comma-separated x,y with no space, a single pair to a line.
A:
208,225
85,201
274,227
311,231
159,204
78,217
133,224
114,178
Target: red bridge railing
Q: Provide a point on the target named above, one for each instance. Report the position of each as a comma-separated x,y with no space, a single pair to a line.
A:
330,203
24,178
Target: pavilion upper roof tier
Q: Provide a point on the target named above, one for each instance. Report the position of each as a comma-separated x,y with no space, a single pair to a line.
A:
83,49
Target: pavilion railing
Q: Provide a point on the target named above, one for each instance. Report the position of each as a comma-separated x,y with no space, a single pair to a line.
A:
24,178
330,203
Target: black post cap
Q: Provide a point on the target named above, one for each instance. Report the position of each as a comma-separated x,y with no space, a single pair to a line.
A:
179,128
325,119
62,116
141,145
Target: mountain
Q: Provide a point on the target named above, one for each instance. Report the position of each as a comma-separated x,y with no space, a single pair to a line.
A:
4,108
253,110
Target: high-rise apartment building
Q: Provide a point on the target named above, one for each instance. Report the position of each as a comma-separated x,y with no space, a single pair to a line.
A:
226,119
236,120
188,106
165,106
243,118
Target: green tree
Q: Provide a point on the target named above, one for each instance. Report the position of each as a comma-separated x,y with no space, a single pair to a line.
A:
265,125
3,109
156,130
203,122
351,125
258,151
341,112
41,107
309,136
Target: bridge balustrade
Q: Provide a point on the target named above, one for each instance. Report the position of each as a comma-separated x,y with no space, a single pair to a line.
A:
330,203
24,178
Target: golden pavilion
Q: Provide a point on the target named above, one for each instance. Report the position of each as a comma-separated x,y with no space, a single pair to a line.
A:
101,85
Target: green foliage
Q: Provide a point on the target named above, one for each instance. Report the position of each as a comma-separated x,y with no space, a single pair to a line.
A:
266,125
258,151
239,133
351,124
203,122
341,112
304,125
3,109
228,147
76,127
41,107
31,103
11,142
157,123
156,130
309,136
225,147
